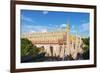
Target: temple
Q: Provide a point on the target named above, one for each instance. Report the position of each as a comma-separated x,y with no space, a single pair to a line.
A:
57,43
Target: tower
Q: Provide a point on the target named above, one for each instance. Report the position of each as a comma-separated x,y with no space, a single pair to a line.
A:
68,28
68,32
67,50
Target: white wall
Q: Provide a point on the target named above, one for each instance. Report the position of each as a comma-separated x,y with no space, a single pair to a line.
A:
5,36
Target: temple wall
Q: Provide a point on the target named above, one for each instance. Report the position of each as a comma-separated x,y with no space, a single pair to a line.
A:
72,49
62,43
56,50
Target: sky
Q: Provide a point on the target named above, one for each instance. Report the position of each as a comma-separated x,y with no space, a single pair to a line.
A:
48,21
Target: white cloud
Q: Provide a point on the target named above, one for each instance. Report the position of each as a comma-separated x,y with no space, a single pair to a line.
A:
45,12
34,28
63,25
81,30
28,19
43,30
73,29
85,27
32,31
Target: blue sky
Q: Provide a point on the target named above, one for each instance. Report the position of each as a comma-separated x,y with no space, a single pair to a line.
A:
46,21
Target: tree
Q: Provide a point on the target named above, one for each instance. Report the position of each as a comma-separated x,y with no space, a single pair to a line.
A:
26,45
27,48
34,51
86,48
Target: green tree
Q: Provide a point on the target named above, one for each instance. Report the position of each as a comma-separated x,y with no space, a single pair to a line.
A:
26,45
27,48
86,48
34,51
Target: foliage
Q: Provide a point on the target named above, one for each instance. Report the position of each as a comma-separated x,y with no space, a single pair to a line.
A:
34,51
27,48
86,54
86,48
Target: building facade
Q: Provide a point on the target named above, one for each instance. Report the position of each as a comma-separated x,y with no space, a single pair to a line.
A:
57,44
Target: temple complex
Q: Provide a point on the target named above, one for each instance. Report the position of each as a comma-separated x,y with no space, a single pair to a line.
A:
57,43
